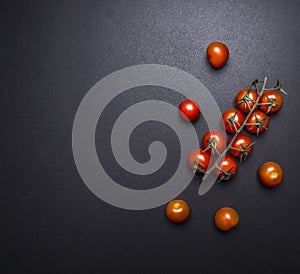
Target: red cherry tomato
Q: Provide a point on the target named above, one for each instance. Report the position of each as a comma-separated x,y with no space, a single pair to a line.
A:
214,141
242,146
258,122
189,110
270,102
178,211
199,160
227,168
217,54
226,218
245,99
270,174
232,119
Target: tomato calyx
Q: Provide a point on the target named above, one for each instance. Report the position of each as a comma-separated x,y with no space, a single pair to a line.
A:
243,151
232,121
226,175
270,104
226,169
246,99
198,167
212,145
258,124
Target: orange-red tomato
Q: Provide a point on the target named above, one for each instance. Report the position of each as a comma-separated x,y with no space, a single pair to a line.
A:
232,120
217,54
189,110
258,122
271,174
227,168
226,218
270,102
242,146
214,140
245,99
199,160
178,211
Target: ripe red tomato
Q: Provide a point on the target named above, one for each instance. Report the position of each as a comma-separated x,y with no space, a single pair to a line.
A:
258,122
245,99
242,146
227,168
178,211
217,54
270,174
199,160
214,141
232,119
189,110
226,218
270,102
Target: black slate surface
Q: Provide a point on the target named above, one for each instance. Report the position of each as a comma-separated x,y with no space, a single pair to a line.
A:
52,52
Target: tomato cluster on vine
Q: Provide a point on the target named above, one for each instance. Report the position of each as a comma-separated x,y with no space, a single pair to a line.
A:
251,111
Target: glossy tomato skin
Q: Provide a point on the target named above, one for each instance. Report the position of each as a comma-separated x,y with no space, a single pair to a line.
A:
270,102
214,137
245,99
271,174
199,160
226,218
227,168
232,120
217,54
258,122
189,110
178,211
242,146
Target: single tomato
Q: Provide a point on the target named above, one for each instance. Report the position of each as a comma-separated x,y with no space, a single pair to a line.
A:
199,160
270,174
245,99
177,211
226,218
232,119
214,141
242,146
270,102
189,110
258,122
217,54
226,168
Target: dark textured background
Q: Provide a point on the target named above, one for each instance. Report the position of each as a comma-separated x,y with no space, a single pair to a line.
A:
51,53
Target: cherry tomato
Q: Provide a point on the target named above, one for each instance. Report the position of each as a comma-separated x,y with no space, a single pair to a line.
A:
232,119
214,141
226,218
178,211
245,99
242,146
270,174
189,110
258,122
270,102
227,168
199,160
217,54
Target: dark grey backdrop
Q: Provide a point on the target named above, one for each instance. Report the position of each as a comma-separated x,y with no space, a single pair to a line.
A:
53,52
